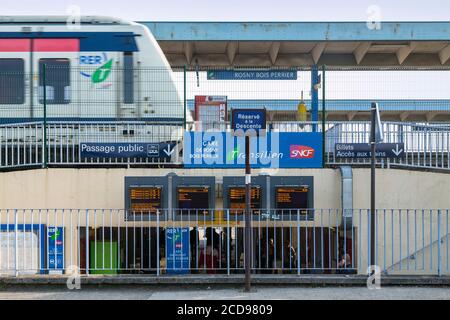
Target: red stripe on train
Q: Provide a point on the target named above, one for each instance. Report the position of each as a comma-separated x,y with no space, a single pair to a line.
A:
56,45
15,45
40,45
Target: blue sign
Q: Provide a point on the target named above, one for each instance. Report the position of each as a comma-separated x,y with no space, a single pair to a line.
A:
248,119
275,150
363,150
126,150
252,75
177,250
55,248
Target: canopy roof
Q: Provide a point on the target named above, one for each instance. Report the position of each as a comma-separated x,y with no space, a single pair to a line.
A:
297,44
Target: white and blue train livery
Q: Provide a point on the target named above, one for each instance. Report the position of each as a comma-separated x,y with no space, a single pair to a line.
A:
106,69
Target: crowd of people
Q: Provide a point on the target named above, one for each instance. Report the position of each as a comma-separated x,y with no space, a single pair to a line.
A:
213,255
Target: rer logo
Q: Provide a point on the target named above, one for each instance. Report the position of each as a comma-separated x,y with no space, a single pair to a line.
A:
301,152
55,233
102,72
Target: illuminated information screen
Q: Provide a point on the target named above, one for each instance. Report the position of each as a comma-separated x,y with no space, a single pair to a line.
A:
237,199
193,198
292,198
145,199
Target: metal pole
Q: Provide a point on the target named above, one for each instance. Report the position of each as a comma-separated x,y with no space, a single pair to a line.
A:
247,240
184,100
44,80
372,183
323,117
16,245
439,270
87,241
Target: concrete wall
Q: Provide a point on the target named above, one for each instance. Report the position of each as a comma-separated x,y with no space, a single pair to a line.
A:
104,188
402,189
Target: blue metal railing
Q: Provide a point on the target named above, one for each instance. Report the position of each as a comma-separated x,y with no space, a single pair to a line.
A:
115,241
21,145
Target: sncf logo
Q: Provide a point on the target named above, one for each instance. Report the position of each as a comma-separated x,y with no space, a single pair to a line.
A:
301,152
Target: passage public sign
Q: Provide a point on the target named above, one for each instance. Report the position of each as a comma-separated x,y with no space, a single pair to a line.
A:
362,150
126,150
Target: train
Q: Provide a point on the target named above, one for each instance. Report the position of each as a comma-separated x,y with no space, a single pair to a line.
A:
101,70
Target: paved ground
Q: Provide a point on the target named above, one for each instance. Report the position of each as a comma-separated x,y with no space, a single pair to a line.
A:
200,293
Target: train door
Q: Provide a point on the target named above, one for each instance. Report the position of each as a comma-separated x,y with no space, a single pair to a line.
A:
15,78
128,88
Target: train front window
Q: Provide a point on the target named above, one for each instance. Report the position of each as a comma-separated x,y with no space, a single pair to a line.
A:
12,81
57,81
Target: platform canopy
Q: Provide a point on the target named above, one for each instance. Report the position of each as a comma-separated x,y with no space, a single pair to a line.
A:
299,44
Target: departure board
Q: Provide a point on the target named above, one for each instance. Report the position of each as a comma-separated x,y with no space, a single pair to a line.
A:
145,199
193,198
236,197
292,198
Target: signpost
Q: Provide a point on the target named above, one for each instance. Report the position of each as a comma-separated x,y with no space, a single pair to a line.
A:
248,122
376,136
372,150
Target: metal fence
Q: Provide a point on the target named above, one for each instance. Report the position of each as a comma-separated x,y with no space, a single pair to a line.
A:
403,93
425,145
111,103
114,92
107,92
23,144
29,144
303,241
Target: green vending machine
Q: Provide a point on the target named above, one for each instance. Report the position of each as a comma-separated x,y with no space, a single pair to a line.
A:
103,257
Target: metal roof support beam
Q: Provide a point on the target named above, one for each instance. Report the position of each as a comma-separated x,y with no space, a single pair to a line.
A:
430,116
273,51
232,47
317,51
444,54
404,115
404,52
360,52
351,115
188,51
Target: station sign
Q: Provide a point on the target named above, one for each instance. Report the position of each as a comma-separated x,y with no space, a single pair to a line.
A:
275,150
177,250
126,150
55,248
363,150
248,121
252,75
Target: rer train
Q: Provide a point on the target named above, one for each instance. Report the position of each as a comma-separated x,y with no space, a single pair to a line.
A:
103,69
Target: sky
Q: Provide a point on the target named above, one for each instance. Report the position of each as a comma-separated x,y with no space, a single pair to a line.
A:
239,10
264,10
